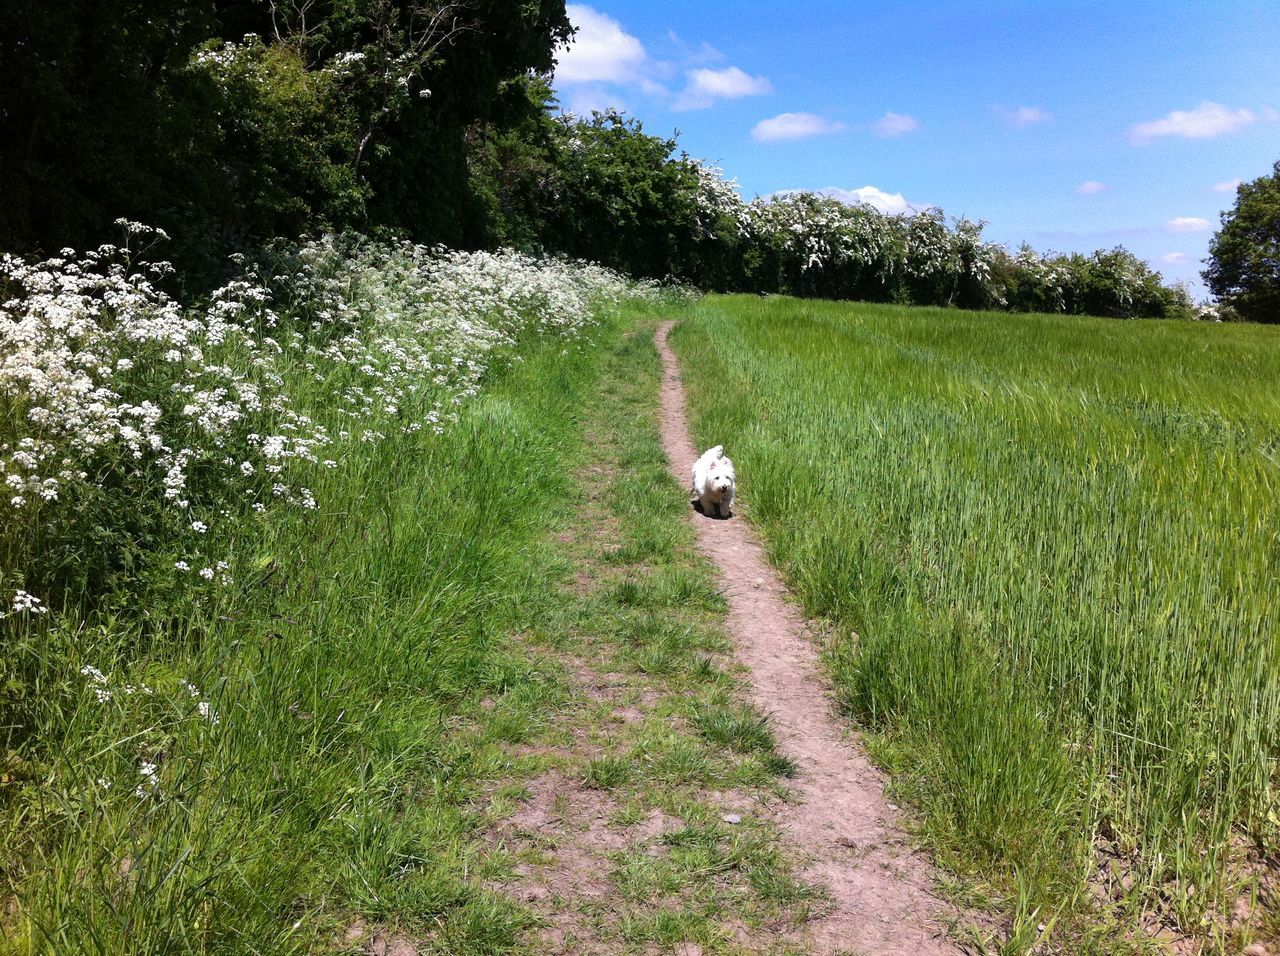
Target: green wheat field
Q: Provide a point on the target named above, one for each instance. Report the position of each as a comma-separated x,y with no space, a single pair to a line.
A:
1046,549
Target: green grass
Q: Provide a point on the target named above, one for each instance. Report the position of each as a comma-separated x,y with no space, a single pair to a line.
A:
1047,547
397,676
344,671
671,738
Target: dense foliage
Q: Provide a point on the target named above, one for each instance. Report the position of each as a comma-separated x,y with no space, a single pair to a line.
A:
228,122
130,424
1244,257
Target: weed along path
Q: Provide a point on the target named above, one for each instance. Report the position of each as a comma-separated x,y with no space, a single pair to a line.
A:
838,819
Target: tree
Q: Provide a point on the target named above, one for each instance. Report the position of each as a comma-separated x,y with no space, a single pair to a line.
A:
418,173
1244,255
87,115
624,198
512,165
228,122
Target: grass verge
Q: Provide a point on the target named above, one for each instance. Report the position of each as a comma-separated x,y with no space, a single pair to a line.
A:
486,706
262,772
641,812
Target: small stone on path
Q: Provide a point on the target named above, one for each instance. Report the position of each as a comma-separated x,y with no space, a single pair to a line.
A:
356,931
731,818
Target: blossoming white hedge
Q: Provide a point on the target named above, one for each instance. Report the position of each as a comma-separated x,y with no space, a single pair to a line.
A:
804,243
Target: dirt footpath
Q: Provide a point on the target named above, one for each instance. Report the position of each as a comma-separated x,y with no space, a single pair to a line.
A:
838,818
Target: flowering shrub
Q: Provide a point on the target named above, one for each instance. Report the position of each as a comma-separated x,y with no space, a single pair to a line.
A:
718,203
133,426
819,246
604,188
807,244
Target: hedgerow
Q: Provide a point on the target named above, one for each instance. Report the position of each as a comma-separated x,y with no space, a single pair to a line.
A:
141,438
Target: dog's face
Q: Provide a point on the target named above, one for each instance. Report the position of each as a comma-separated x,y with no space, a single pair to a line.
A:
721,480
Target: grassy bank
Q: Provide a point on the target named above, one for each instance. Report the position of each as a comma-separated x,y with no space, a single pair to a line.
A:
1047,547
479,701
329,786
258,581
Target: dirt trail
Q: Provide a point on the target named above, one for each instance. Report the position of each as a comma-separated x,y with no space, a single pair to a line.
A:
839,817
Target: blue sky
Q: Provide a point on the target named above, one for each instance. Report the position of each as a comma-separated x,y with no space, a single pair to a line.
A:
1072,126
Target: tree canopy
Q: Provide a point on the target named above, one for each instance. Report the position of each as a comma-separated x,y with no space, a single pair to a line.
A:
1243,268
228,122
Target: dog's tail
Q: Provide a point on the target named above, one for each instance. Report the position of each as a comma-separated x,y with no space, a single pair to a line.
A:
717,452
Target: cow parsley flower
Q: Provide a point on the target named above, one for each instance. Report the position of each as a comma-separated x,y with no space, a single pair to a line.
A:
150,785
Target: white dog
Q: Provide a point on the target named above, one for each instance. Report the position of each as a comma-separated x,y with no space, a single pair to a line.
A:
714,482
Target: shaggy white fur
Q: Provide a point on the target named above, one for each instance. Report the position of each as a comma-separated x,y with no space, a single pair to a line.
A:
714,482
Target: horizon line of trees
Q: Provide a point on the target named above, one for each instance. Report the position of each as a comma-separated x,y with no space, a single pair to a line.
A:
602,188
230,122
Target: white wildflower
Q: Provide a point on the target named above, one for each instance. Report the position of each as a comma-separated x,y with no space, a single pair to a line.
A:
150,784
22,601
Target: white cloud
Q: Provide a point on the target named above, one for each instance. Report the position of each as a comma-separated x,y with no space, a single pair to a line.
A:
706,86
1204,122
601,51
603,61
891,203
794,126
703,53
1024,116
1188,224
1229,186
1175,257
1092,188
895,124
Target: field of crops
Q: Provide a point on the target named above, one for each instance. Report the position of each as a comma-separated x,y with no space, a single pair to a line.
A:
1048,548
